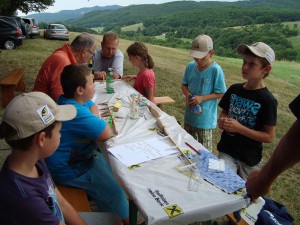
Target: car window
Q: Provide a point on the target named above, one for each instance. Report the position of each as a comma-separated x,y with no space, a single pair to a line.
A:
26,20
35,22
61,27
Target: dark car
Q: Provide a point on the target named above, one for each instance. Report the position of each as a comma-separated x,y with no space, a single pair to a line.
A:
10,35
13,20
56,31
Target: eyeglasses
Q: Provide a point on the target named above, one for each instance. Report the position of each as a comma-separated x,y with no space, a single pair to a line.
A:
92,53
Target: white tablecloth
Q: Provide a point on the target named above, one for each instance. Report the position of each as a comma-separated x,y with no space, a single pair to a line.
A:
157,188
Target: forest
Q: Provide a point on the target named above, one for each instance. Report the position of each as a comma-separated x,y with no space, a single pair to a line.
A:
228,23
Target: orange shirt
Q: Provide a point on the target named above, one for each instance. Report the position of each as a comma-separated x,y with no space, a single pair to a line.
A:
48,78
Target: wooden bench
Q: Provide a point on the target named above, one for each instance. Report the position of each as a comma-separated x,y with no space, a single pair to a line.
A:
76,197
160,101
11,82
233,220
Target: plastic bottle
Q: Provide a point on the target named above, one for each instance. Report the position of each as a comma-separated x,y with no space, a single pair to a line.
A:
90,65
195,109
110,81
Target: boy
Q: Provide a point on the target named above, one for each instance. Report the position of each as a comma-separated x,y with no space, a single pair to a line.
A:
27,193
249,112
78,161
202,84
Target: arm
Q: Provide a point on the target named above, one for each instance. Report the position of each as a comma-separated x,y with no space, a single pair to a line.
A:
117,65
197,99
129,77
94,110
286,155
106,134
69,213
266,135
186,92
149,94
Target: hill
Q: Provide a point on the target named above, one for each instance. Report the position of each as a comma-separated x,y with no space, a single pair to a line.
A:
69,14
169,66
191,13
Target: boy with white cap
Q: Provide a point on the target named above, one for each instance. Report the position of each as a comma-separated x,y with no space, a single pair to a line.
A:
202,84
249,112
30,125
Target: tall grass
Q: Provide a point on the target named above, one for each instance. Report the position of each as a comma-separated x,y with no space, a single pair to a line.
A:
170,64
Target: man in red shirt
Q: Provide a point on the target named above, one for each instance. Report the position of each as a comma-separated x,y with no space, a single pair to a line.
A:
79,51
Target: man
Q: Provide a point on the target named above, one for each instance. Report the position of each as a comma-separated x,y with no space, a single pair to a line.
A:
286,154
79,51
109,56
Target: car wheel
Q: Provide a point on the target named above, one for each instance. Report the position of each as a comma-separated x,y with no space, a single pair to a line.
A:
10,44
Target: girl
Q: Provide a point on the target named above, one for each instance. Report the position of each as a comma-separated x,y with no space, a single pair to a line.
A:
145,79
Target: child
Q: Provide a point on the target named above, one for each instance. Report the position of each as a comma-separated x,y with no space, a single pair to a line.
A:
27,193
78,161
145,79
249,113
202,84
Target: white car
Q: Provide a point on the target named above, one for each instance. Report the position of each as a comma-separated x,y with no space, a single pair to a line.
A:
56,31
32,27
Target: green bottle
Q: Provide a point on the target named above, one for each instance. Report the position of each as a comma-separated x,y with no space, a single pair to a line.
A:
109,81
90,65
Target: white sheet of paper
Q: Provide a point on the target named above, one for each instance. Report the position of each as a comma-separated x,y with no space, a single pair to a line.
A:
142,151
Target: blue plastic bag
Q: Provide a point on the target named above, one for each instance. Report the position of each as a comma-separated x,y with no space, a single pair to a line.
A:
273,213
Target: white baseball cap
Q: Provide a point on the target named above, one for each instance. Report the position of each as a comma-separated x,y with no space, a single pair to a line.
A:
201,45
259,49
29,113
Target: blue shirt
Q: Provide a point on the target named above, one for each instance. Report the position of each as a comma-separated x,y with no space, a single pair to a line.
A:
78,141
211,80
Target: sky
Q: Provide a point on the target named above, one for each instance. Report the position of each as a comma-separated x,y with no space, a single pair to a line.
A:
77,4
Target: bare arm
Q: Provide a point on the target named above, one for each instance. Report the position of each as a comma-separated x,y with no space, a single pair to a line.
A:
129,77
286,155
106,134
197,99
149,94
69,213
266,135
94,110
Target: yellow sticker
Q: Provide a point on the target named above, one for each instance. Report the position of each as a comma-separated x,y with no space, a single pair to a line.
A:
239,192
134,166
173,210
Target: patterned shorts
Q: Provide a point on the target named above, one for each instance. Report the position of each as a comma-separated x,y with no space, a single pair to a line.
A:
203,136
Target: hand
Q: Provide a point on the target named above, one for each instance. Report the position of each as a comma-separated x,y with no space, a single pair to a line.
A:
256,185
129,77
196,100
231,125
100,75
221,121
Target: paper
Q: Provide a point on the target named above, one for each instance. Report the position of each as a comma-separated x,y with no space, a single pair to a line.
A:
142,151
250,213
216,165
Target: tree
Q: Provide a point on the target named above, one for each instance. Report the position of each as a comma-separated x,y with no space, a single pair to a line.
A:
10,7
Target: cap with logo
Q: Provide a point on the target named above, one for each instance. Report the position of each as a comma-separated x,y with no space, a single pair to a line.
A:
259,49
32,112
201,45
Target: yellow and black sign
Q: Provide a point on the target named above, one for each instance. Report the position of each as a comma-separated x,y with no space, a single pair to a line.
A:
134,166
173,210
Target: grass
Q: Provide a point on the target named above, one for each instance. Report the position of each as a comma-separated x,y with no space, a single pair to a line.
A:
133,27
170,64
